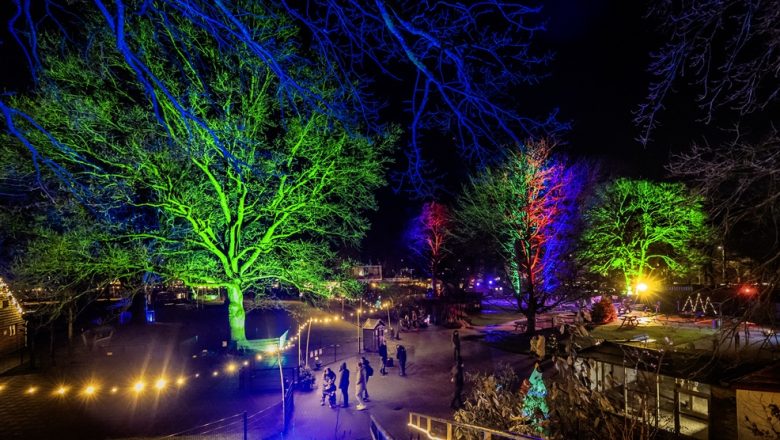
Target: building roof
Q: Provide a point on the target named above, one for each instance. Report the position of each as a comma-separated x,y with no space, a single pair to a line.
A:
373,323
700,366
765,379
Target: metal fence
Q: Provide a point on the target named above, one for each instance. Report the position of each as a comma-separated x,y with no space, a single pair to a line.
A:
378,432
427,427
259,425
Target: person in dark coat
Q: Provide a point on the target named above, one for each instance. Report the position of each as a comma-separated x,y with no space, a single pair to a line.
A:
458,380
366,367
329,388
456,345
383,357
344,384
400,354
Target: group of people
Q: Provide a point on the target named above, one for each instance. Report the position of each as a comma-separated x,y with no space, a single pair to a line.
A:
331,383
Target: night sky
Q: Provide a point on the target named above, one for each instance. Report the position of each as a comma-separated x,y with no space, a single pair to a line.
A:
597,79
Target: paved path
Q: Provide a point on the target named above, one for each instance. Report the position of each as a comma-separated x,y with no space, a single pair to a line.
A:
425,389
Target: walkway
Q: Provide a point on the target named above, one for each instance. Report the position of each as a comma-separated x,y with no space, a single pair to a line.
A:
425,389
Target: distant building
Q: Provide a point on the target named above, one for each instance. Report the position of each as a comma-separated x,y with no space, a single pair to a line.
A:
367,273
11,321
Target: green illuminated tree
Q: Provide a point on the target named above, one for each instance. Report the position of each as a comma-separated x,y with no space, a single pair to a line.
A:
257,194
636,227
535,401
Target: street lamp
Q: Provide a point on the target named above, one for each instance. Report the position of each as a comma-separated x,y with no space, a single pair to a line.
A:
358,325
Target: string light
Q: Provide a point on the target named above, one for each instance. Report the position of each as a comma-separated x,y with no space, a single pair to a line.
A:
91,389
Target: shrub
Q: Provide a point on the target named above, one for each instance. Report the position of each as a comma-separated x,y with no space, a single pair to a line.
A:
604,311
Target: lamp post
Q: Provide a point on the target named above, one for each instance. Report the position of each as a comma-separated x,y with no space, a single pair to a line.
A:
389,324
308,335
358,325
722,264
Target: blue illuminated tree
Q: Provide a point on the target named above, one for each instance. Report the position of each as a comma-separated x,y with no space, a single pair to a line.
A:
463,63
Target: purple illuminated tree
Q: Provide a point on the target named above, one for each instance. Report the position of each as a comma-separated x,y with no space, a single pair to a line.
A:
528,209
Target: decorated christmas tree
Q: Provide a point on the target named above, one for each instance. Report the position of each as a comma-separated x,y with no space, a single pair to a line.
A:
535,402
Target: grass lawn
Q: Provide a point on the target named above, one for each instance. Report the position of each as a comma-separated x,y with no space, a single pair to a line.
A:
680,336
494,317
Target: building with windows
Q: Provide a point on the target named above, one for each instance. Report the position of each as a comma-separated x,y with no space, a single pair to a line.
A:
687,394
11,321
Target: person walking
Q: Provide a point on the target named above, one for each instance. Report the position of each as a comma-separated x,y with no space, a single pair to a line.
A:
456,345
344,384
400,354
458,380
383,357
369,370
361,386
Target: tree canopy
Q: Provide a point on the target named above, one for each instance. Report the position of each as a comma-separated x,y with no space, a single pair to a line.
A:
528,209
232,189
636,228
452,62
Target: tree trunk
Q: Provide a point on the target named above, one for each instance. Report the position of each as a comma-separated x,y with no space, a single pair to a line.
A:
52,354
70,331
530,314
236,315
433,280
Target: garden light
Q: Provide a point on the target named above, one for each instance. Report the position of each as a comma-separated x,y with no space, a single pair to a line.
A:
32,390
90,390
160,384
61,391
139,386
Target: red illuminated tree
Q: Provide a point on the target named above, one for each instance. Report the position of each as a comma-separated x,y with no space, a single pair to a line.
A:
430,233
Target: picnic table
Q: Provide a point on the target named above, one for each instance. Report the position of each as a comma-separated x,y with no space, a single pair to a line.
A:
629,321
521,325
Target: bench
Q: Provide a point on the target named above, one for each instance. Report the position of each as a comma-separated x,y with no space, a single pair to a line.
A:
629,321
521,326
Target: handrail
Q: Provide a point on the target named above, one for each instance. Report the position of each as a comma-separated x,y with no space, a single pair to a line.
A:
378,432
416,422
